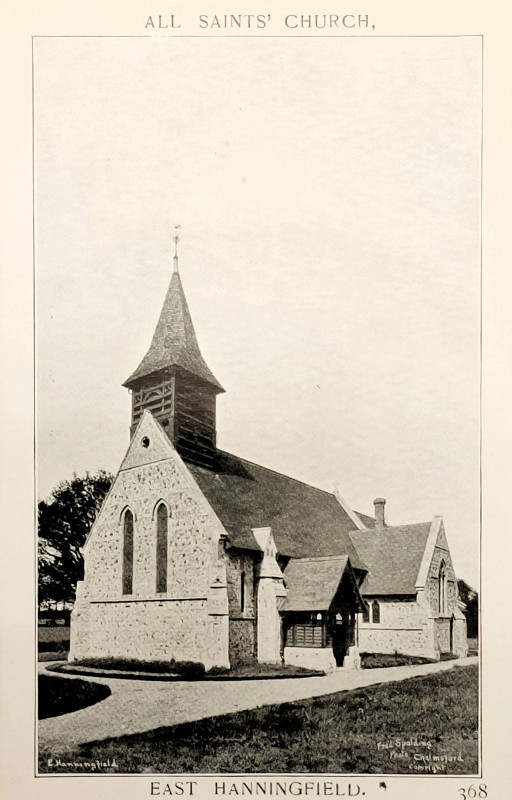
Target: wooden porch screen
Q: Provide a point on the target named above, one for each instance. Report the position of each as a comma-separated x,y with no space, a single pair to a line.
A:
306,633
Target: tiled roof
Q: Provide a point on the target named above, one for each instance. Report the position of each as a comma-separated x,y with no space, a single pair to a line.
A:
174,342
367,521
311,583
242,539
305,521
393,556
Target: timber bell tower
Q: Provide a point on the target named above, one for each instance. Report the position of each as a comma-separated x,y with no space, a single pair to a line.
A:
174,383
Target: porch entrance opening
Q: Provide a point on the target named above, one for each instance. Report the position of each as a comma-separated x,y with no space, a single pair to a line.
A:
342,633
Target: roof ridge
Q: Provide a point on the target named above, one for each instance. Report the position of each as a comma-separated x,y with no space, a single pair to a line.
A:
322,558
391,527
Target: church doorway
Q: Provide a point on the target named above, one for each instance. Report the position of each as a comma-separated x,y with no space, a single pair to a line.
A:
342,631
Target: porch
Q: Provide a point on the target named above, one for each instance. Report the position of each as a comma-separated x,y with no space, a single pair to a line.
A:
319,618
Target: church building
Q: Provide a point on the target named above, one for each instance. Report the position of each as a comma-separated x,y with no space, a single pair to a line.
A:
198,555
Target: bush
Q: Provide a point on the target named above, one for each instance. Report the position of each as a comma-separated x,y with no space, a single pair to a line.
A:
254,669
52,647
472,646
379,660
190,670
57,655
124,664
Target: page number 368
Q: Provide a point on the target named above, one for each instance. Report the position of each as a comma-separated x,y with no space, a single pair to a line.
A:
473,791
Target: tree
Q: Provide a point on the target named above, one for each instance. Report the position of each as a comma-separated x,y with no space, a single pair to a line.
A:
470,599
65,520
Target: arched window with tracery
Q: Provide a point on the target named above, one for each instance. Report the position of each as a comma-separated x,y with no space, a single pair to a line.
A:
128,552
442,604
162,516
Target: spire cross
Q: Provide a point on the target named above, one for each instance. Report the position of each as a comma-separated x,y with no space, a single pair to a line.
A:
176,239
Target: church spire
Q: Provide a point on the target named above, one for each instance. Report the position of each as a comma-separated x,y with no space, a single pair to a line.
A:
176,239
174,382
174,342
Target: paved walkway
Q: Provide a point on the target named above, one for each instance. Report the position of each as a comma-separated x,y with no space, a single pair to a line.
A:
136,706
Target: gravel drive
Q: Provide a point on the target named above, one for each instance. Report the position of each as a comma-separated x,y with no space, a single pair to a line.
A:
136,706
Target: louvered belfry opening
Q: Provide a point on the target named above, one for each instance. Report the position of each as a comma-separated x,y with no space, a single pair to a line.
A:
175,384
155,395
186,409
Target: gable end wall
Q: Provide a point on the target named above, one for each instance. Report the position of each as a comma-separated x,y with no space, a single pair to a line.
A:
414,626
449,627
182,623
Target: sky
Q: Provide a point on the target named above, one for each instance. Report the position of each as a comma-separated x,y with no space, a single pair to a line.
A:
328,192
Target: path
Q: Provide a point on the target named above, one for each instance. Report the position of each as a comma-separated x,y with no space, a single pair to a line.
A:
136,706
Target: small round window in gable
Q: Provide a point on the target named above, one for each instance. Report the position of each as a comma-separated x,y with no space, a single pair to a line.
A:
145,441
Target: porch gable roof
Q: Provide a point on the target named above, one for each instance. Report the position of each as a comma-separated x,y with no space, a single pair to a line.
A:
312,583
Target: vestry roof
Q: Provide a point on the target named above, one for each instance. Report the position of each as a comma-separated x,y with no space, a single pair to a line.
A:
393,556
305,521
311,583
174,342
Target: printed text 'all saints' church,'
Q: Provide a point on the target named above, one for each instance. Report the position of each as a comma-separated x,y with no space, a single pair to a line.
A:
198,555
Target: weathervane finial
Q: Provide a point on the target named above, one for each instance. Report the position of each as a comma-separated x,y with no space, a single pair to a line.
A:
176,239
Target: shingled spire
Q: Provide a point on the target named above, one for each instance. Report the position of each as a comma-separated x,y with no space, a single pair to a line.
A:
174,341
174,382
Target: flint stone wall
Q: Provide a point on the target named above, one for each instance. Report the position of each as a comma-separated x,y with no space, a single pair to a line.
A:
236,563
173,624
403,628
441,627
141,631
242,642
242,636
442,553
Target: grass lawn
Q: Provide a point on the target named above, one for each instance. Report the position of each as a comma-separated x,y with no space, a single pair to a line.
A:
363,731
53,640
59,633
57,696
